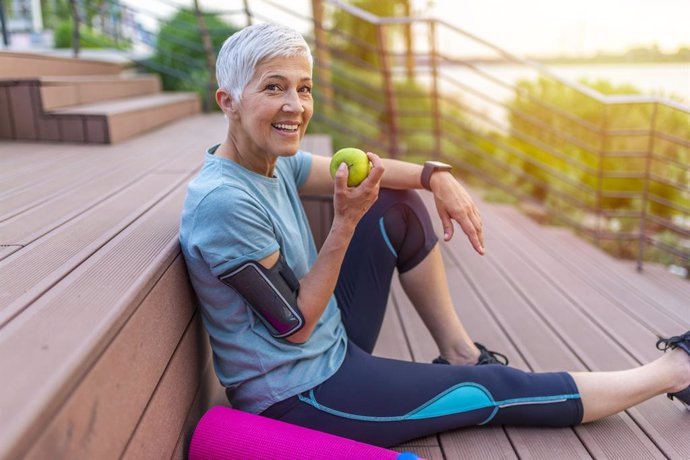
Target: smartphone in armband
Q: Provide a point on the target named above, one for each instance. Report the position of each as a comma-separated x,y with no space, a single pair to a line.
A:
270,293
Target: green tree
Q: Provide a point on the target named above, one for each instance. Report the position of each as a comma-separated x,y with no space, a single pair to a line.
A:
359,38
180,58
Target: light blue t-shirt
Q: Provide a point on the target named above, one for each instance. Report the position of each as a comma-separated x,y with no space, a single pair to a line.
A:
232,215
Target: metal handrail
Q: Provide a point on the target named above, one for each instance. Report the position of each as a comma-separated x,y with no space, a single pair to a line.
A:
574,166
600,187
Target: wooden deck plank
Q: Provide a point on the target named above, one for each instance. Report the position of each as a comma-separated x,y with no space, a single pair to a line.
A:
39,217
172,398
574,336
22,166
18,277
28,273
99,417
22,192
571,328
523,326
660,275
484,328
658,419
71,193
16,157
618,298
391,343
615,278
486,442
95,299
209,394
543,350
6,250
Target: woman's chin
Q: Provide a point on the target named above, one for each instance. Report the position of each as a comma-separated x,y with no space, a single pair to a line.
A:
288,148
286,151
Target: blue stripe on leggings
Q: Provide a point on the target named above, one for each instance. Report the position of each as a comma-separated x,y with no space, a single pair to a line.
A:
461,398
385,238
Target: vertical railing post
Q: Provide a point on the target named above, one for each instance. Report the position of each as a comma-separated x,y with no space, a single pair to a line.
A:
209,100
599,209
389,90
322,56
3,24
409,43
435,109
247,12
642,239
75,29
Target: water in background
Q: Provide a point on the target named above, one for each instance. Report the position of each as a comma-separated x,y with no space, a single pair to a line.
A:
495,81
671,80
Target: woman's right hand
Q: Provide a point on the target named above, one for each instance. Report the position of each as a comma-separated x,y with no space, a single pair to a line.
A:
351,203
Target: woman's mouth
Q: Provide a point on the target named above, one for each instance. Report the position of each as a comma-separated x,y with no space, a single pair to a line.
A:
286,127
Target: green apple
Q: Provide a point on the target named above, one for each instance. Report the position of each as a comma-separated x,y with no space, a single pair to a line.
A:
357,164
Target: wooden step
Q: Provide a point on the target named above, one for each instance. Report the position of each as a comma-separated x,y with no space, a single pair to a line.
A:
31,65
61,92
22,116
115,121
129,339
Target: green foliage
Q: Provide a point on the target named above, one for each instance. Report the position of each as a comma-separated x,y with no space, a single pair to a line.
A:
360,39
574,145
53,12
621,159
88,37
179,56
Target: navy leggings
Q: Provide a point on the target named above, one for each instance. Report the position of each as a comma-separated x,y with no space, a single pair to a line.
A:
386,402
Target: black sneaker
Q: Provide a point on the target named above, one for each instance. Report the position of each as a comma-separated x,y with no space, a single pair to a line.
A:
485,357
682,342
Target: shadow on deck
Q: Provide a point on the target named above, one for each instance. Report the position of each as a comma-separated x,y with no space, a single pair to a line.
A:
94,353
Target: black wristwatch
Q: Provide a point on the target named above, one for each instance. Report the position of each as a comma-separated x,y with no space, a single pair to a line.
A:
431,167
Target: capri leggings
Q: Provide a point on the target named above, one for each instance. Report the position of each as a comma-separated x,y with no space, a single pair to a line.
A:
386,402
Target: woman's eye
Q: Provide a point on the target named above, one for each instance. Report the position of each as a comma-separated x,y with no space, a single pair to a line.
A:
305,89
273,87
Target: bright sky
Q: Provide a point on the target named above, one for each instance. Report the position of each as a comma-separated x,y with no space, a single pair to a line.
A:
529,27
569,27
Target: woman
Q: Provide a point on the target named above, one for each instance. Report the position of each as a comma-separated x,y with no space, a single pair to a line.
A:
292,331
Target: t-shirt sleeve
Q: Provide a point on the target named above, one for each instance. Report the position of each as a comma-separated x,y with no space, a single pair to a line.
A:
299,166
231,228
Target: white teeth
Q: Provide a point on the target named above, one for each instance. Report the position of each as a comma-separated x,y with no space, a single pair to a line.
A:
286,127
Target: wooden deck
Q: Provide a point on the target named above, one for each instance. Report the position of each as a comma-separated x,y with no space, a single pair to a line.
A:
550,301
67,212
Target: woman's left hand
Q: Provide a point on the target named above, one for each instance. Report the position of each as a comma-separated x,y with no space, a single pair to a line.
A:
453,203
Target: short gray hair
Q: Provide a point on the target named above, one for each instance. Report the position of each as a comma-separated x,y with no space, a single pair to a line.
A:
244,50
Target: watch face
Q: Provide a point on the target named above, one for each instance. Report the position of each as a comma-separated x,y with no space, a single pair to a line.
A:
438,164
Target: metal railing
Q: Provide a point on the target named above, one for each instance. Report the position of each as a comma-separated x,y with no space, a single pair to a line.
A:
618,174
615,168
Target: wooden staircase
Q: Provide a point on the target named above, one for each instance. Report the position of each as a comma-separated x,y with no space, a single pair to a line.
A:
54,99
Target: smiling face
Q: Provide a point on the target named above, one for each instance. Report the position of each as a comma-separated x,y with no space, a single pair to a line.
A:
275,109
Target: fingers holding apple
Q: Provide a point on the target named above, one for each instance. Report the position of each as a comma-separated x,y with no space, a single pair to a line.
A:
376,170
353,198
357,165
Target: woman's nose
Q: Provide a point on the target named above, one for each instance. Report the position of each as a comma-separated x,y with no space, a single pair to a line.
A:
292,103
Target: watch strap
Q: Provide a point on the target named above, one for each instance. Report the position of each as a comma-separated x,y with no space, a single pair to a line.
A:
431,167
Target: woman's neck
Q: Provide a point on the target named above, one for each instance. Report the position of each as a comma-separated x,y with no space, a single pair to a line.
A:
259,163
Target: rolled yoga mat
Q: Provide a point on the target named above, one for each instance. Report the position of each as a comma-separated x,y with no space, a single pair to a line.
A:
225,433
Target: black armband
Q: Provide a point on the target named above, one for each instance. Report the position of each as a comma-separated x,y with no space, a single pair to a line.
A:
271,293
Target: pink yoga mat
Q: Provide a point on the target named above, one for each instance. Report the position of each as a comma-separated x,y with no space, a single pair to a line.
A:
224,433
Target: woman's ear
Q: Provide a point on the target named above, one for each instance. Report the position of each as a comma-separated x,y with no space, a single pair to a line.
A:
225,102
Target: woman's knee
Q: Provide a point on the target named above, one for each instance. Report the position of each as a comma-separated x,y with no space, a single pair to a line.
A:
407,228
